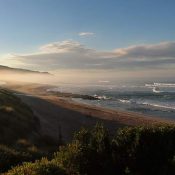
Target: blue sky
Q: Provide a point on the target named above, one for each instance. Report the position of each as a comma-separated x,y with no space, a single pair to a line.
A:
28,26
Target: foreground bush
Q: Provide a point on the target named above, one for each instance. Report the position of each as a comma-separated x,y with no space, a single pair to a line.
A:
11,157
133,151
138,150
145,150
43,167
89,153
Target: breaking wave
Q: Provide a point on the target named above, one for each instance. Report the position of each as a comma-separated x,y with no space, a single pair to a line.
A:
124,101
160,85
147,104
159,106
102,97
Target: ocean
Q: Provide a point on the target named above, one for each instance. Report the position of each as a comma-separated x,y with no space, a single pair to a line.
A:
154,99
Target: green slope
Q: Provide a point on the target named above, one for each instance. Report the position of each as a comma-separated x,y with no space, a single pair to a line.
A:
20,137
17,120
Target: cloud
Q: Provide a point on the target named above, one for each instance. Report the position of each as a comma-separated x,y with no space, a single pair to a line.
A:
73,55
160,50
64,47
86,34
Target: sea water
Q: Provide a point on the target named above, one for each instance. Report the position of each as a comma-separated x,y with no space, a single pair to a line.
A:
155,99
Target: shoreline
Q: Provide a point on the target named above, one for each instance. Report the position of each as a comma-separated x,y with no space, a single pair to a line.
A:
40,90
56,112
107,113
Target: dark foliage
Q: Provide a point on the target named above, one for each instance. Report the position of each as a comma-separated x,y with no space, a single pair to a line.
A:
133,151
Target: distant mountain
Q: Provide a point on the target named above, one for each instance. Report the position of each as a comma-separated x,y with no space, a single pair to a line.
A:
18,70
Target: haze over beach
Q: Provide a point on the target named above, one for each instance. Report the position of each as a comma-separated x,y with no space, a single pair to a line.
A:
87,87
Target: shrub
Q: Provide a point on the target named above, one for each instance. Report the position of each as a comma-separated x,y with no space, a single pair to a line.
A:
43,167
89,153
145,150
11,157
134,150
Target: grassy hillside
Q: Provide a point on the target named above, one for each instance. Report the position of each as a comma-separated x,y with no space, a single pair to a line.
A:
17,121
20,139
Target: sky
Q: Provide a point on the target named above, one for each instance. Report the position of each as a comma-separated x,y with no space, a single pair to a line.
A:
106,39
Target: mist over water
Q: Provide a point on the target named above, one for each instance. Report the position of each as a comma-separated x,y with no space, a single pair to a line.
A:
150,98
16,77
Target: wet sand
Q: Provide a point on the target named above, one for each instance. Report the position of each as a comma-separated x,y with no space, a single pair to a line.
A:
58,114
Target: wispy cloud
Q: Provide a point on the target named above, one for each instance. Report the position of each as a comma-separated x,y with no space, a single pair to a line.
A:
160,50
70,54
86,34
64,47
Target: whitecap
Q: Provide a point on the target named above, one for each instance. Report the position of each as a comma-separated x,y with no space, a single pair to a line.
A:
124,101
103,97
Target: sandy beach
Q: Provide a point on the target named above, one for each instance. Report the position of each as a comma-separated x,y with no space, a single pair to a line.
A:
58,114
